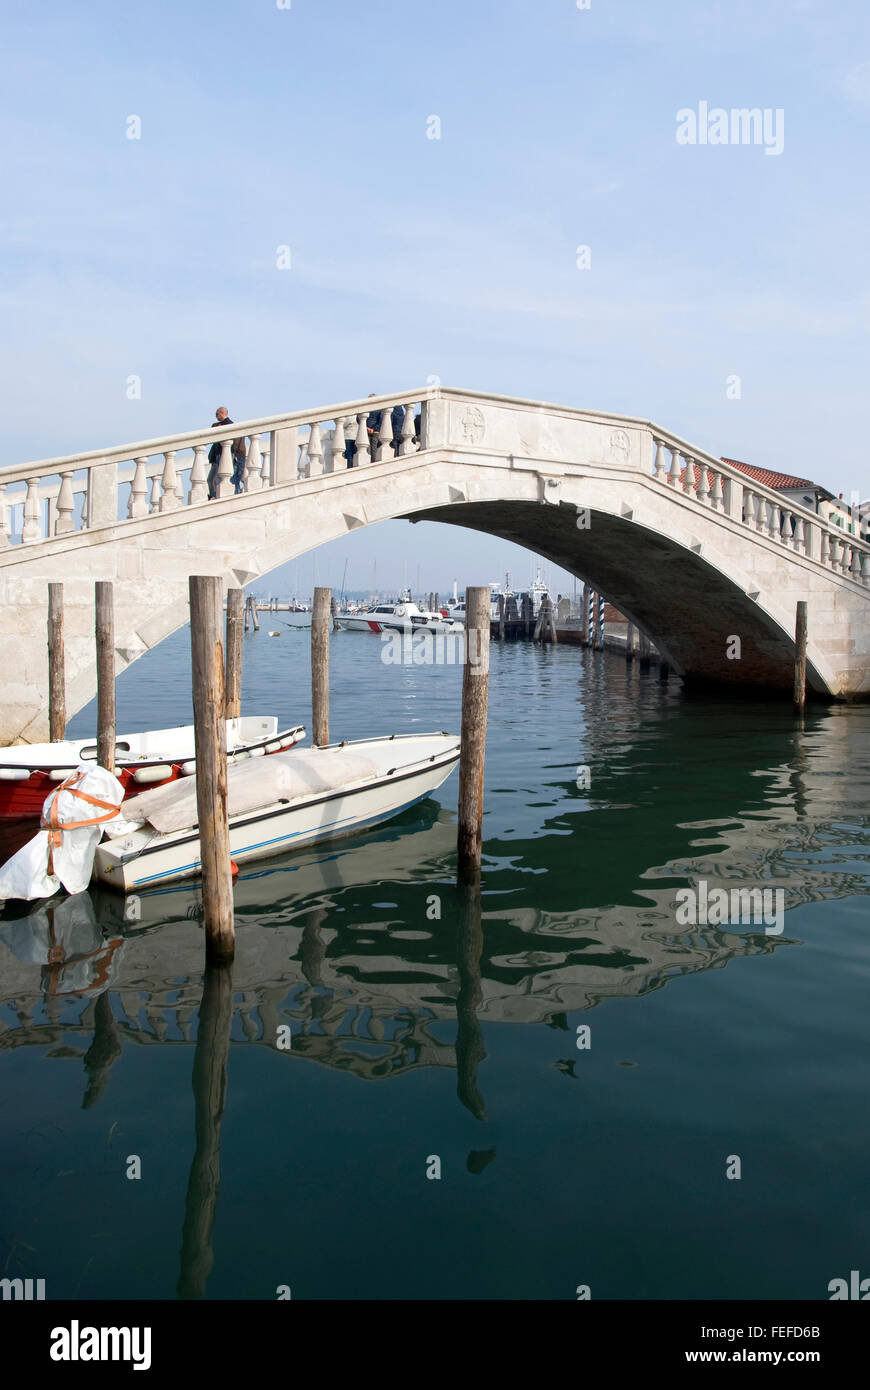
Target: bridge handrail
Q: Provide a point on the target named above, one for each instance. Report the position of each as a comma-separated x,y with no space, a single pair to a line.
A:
288,454
263,424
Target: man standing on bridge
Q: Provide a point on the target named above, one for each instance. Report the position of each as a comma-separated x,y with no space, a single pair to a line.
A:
222,417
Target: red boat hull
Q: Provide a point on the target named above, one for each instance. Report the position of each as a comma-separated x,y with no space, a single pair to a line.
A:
24,800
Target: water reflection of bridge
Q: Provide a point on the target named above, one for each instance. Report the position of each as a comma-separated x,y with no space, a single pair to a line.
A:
362,994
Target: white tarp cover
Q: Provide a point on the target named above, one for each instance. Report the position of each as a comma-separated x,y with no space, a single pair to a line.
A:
26,874
252,785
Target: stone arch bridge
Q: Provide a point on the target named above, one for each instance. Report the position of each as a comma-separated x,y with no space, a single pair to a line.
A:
685,545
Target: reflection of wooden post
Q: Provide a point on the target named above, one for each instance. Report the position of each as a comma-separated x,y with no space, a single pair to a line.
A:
475,691
56,681
312,948
470,1050
320,667
629,644
105,633
800,656
235,622
103,1052
209,1092
211,765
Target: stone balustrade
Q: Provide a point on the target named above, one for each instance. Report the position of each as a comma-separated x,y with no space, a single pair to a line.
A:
85,491
722,488
44,501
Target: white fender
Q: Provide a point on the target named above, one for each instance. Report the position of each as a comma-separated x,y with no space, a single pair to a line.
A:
147,776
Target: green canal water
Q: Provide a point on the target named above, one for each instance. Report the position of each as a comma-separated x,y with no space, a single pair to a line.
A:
427,1024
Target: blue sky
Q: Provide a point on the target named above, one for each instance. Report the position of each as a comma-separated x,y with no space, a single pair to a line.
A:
455,257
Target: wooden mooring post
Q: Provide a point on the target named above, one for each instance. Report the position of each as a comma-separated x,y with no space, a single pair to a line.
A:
56,676
209,702
104,615
475,693
251,612
500,602
235,634
545,628
320,614
800,656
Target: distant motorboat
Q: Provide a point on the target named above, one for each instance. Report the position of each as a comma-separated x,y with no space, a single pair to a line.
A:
289,801
403,617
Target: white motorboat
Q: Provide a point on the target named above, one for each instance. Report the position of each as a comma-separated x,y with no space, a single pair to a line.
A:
30,772
398,617
277,804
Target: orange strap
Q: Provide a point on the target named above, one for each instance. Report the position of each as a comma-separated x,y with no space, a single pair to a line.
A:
53,825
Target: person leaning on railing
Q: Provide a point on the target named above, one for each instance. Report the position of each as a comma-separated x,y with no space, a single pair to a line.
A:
222,417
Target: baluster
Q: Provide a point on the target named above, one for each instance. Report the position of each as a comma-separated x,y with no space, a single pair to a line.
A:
31,530
198,476
674,475
225,470
773,521
385,437
825,548
761,513
856,564
845,557
5,529
137,504
748,517
407,445
718,498
253,480
266,465
65,506
799,539
154,501
865,569
315,452
689,476
659,469
362,456
704,485
169,500
339,444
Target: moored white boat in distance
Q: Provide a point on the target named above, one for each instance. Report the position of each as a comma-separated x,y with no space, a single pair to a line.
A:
30,772
404,616
276,804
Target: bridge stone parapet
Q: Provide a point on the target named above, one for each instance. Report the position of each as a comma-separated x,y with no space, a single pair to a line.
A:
688,547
